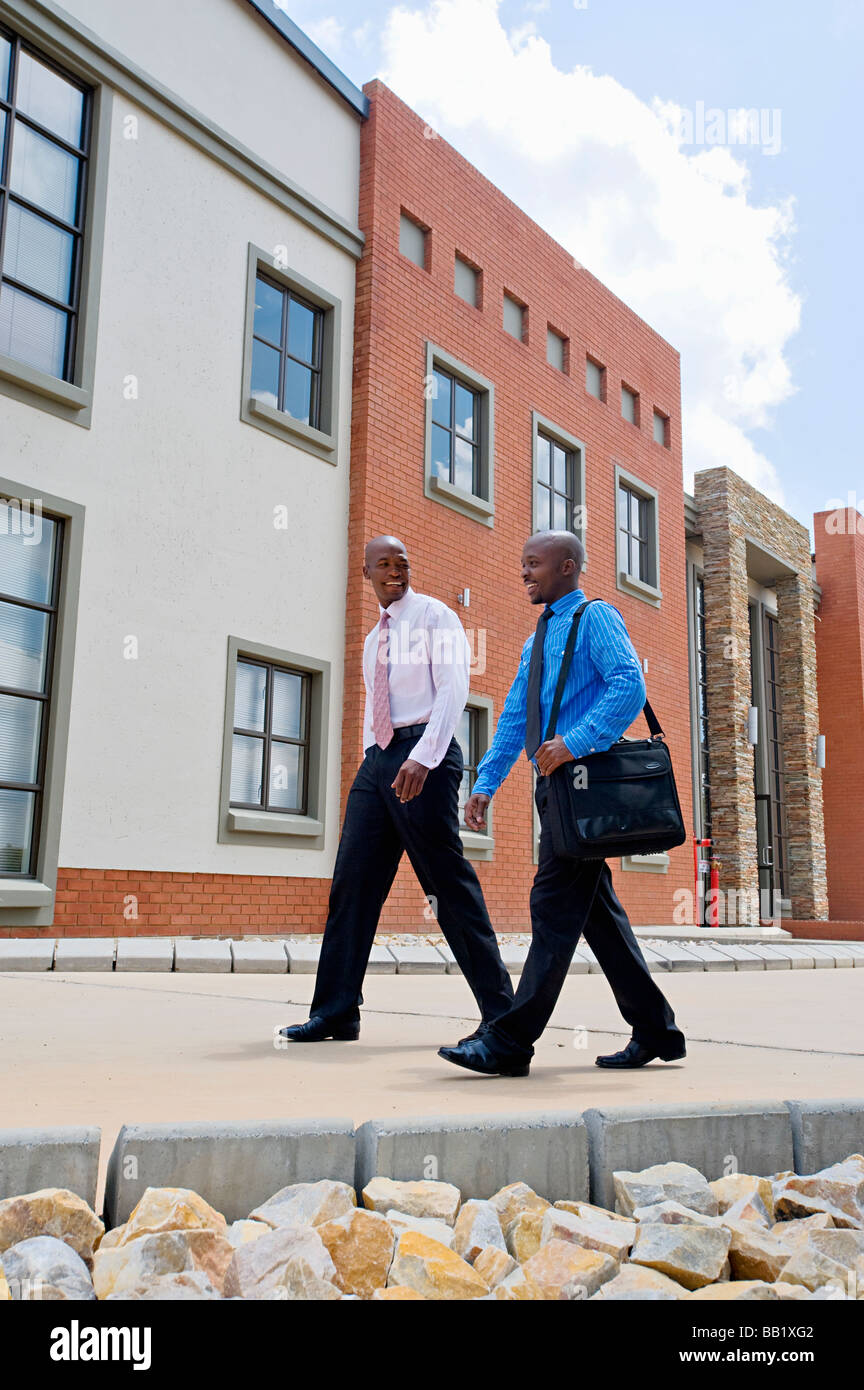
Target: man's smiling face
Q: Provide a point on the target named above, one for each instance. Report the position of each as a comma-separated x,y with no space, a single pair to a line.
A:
388,569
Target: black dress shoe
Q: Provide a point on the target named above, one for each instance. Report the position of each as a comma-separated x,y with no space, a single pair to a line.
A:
479,1054
635,1054
479,1032
319,1030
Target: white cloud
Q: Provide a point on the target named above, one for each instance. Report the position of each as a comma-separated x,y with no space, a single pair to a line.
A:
673,234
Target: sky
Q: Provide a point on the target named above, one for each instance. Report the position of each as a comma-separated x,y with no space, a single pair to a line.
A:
616,125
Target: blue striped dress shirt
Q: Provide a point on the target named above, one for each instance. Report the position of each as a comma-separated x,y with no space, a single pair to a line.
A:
604,693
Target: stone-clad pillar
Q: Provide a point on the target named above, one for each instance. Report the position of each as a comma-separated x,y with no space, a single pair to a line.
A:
727,641
808,879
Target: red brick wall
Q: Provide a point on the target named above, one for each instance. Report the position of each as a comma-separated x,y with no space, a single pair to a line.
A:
400,307
840,665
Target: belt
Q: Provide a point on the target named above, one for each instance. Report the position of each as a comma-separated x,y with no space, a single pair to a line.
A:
408,731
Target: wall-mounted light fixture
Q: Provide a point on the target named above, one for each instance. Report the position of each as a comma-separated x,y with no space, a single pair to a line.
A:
820,750
753,724
464,597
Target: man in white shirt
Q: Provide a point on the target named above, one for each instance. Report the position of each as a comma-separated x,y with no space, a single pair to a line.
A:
404,798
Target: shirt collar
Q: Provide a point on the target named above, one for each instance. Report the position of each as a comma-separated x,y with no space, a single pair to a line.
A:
398,607
566,603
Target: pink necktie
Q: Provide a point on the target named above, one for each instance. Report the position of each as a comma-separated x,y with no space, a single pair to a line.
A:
381,720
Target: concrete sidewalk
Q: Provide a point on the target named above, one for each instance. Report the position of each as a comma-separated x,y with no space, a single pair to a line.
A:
109,1049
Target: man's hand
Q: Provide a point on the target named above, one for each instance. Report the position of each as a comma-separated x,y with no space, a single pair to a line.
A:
409,780
475,811
552,754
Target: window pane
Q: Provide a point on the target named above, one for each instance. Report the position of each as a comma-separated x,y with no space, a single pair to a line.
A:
463,472
441,399
43,173
593,379
285,776
640,550
512,317
465,281
250,686
20,721
555,350
544,450
623,552
16,831
412,241
38,253
659,428
33,332
287,704
298,392
26,553
441,452
301,331
465,410
268,312
49,99
5,54
541,506
265,374
623,507
628,405
560,468
23,645
246,763
2,145
560,519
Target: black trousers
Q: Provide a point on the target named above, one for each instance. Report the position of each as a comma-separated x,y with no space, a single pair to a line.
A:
569,899
377,829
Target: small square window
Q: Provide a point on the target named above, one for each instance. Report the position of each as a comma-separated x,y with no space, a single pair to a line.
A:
556,350
513,317
412,240
661,429
630,405
595,379
466,281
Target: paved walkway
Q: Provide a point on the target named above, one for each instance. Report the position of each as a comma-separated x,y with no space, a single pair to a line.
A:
108,1049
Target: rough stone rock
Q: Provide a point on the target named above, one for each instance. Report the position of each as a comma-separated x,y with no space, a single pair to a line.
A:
791,1293
837,1190
694,1255
512,1200
730,1190
587,1211
637,1282
112,1238
306,1204
612,1238
433,1270
291,1263
188,1285
756,1254
439,1200
398,1294
123,1267
477,1226
5,1294
494,1264
664,1182
518,1288
240,1232
44,1268
751,1210
52,1211
524,1234
735,1291
171,1209
798,1230
846,1247
361,1247
813,1269
672,1213
565,1271
426,1225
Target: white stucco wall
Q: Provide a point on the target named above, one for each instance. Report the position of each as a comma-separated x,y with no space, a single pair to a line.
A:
180,549
224,60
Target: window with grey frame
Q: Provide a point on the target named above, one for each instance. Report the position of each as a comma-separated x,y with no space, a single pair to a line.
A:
45,117
30,566
636,535
468,738
287,351
270,738
554,485
456,432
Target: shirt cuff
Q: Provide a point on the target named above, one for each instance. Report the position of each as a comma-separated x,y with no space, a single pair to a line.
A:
578,741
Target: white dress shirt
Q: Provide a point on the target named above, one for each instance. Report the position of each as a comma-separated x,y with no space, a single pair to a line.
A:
429,671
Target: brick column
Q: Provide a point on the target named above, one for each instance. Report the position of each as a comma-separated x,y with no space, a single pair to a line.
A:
808,879
727,637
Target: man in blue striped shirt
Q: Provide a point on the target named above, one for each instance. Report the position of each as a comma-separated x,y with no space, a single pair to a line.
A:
604,693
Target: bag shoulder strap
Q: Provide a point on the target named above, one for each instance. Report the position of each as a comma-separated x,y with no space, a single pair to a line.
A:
566,662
